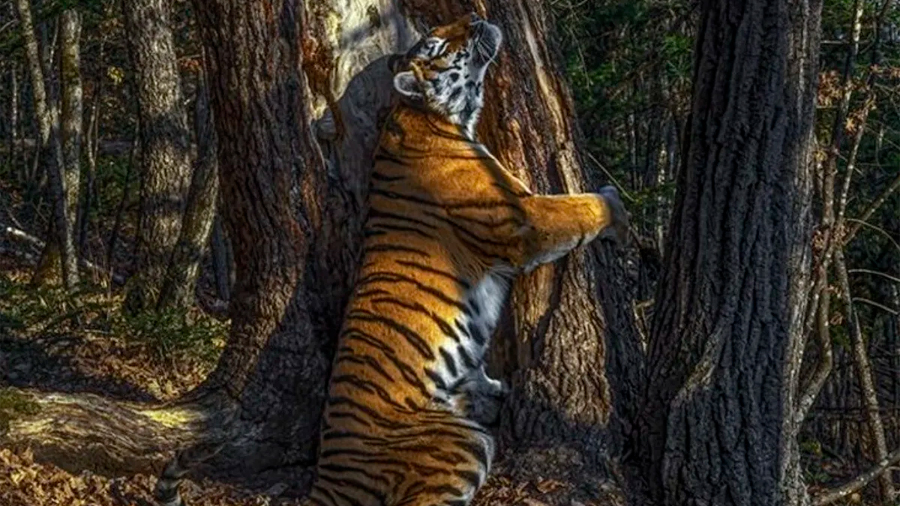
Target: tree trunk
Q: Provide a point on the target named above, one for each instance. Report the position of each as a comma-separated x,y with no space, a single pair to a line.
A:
574,347
165,158
221,265
273,364
717,424
71,118
272,374
864,375
181,276
92,145
12,155
51,150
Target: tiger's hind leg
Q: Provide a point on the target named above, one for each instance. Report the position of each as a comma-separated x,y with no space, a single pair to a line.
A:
445,466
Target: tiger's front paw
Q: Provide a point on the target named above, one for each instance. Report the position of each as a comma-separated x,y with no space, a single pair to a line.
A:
618,227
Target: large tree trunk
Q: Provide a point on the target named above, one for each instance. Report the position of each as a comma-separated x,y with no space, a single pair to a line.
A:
273,364
51,153
164,146
718,421
184,268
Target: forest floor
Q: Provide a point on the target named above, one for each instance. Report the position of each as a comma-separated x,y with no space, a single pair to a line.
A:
49,343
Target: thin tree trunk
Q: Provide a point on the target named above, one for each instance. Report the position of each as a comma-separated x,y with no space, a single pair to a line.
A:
126,194
181,276
71,118
165,166
48,123
864,376
92,144
12,156
717,424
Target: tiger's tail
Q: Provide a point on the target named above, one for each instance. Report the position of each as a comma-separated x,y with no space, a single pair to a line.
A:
166,491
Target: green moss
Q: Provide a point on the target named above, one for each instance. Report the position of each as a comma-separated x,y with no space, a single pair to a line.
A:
14,404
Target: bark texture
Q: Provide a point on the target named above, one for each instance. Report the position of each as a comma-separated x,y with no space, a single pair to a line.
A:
346,47
164,146
803,37
564,317
724,351
184,267
273,365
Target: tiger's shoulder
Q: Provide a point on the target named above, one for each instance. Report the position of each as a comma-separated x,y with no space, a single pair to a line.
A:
422,151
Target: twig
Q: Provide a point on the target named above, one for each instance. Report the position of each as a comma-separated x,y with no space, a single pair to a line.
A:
870,210
876,273
877,229
24,236
875,304
611,178
858,482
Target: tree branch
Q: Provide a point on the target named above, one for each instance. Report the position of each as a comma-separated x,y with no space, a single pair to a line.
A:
858,482
23,236
874,206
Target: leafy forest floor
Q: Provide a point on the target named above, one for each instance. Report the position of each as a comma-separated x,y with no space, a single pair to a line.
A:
52,342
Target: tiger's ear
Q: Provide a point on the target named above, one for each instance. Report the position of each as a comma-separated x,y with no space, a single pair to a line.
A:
407,84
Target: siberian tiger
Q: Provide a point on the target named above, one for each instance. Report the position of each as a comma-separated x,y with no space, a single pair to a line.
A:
447,230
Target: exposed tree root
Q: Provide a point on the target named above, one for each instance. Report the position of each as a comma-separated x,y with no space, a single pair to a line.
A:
85,431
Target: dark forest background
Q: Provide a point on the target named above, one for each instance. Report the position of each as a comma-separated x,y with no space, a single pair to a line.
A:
178,199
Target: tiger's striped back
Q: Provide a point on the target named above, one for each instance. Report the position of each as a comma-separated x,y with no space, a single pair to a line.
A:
426,301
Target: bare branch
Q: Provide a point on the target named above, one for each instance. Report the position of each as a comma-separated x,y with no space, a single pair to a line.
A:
23,236
858,482
874,206
875,304
876,273
876,228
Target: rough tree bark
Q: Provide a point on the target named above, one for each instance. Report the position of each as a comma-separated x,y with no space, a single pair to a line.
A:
273,370
718,419
51,153
165,166
571,333
181,277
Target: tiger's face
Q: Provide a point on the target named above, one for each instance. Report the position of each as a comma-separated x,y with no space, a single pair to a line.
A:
445,70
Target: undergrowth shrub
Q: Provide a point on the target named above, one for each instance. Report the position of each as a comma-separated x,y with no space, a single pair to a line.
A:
50,310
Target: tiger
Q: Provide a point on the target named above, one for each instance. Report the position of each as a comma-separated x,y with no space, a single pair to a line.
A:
410,407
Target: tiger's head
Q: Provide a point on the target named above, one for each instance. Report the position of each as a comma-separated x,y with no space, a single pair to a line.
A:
445,70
